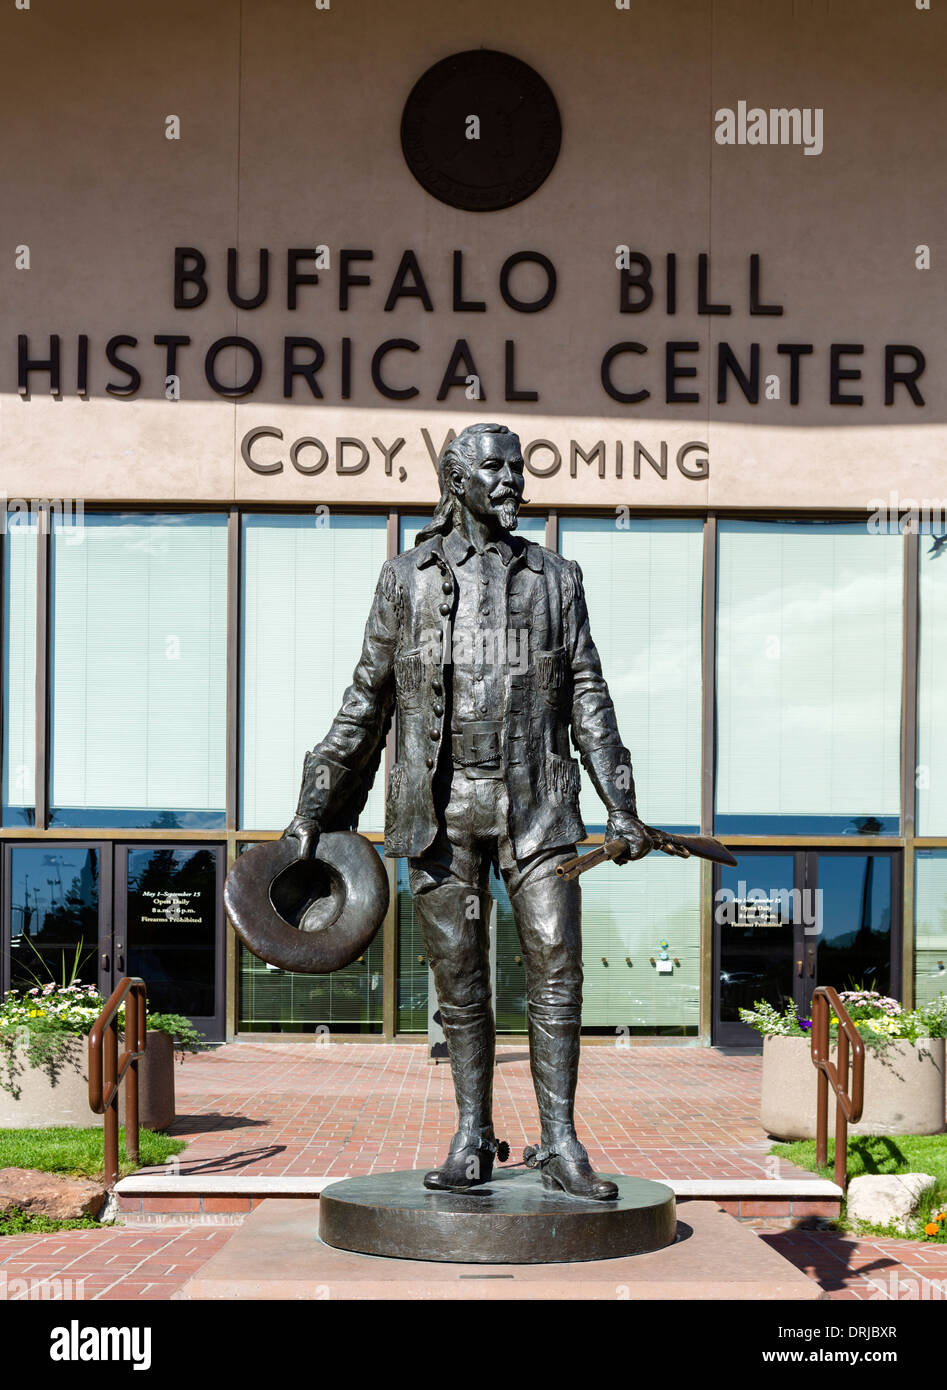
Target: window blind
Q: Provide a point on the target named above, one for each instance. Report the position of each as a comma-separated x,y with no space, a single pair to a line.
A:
932,691
19,663
138,663
626,913
930,907
808,670
643,589
308,585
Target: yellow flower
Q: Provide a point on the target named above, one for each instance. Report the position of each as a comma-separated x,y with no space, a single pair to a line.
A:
931,1229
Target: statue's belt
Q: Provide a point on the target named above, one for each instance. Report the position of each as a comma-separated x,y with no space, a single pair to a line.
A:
478,748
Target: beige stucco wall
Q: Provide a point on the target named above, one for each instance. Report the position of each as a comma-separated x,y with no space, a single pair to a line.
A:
290,137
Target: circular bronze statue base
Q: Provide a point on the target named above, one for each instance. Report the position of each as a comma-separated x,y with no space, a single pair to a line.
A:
512,1219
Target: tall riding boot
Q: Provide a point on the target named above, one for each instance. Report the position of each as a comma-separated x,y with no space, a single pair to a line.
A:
554,1062
548,915
457,946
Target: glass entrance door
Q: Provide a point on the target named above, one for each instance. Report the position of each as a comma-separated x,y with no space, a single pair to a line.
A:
786,921
755,939
168,928
54,925
95,911
858,897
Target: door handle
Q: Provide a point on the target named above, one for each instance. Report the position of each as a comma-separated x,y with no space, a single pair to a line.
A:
104,960
799,968
811,969
119,956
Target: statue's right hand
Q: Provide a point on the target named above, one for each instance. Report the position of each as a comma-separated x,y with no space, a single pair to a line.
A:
306,832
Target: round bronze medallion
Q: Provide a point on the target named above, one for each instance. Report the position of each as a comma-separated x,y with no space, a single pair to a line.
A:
481,131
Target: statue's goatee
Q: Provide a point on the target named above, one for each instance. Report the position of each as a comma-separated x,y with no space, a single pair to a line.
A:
508,512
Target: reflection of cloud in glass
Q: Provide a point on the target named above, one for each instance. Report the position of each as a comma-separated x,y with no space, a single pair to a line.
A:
809,671
643,589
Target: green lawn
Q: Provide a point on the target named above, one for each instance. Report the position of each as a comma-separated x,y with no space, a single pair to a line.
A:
73,1153
79,1153
887,1153
20,1223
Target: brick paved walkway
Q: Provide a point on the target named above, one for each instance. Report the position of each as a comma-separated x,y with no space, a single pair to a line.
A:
348,1108
343,1108
106,1264
128,1263
874,1269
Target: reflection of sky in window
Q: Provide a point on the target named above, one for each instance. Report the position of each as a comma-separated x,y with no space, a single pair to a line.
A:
932,682
665,660
809,668
643,583
41,879
856,894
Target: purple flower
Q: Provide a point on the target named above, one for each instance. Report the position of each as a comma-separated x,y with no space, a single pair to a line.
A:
804,1023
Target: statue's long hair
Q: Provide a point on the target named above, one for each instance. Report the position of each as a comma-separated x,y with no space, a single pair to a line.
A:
462,452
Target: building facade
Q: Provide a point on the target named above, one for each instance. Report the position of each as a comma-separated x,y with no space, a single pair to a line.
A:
237,330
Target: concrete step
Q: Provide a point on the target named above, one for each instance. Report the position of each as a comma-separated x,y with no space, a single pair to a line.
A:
276,1254
153,1198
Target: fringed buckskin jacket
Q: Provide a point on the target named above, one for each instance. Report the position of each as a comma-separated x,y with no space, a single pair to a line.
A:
559,689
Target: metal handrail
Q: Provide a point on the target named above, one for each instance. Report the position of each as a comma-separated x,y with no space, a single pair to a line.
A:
107,1070
848,1107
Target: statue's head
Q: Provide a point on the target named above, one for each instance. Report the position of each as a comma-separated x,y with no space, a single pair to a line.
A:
482,472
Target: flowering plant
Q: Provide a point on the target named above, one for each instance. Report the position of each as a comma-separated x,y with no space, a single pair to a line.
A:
73,1008
935,1226
879,1019
769,1022
50,1018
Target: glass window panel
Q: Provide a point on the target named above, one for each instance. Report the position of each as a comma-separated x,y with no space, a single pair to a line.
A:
308,584
930,912
54,915
626,913
414,973
932,687
282,1001
19,670
643,585
808,678
139,671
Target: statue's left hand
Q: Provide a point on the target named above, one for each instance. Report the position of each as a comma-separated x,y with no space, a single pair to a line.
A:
622,825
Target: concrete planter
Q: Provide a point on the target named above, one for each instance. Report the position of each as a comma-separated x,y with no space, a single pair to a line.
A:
904,1090
155,1084
53,1097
